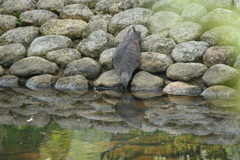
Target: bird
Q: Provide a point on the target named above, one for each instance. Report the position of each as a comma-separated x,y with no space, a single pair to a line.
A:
127,56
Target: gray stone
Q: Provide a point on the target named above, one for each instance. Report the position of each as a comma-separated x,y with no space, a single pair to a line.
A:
181,88
220,55
237,4
89,3
154,43
106,57
9,81
210,4
53,5
41,45
186,71
41,82
221,74
73,123
23,35
66,27
11,53
155,62
74,83
1,71
7,22
10,6
237,63
87,67
95,44
220,92
76,11
185,31
37,17
144,81
98,22
189,51
193,12
161,22
146,3
128,17
144,32
31,66
63,56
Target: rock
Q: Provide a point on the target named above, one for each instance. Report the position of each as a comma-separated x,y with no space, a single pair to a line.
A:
1,71
185,31
37,17
220,92
221,74
114,6
146,3
154,43
89,3
108,80
63,56
87,67
218,17
161,22
128,17
9,81
183,89
237,4
74,83
220,55
11,6
237,63
144,81
53,5
193,12
98,22
23,35
11,53
41,45
67,27
186,71
7,23
144,32
106,57
189,51
76,11
210,5
41,82
155,62
95,44
32,66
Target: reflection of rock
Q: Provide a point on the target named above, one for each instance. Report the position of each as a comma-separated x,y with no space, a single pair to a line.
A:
112,127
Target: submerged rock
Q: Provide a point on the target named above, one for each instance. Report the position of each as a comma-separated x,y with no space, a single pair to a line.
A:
7,23
74,83
9,81
41,82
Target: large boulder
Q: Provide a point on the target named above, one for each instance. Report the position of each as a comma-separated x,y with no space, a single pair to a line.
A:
41,82
14,6
9,81
193,12
32,66
7,23
74,83
41,45
106,57
53,5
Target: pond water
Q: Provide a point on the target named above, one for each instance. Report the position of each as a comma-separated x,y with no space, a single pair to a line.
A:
111,125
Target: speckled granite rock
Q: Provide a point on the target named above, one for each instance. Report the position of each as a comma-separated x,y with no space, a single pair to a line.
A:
74,83
106,57
9,81
53,5
10,6
41,82
7,23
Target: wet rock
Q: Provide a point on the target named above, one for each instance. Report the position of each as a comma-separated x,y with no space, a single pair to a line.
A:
210,5
155,62
108,80
31,66
7,23
220,55
67,27
237,63
23,35
63,56
221,74
193,12
41,45
9,81
220,92
161,22
41,82
237,4
189,51
74,83
141,81
106,57
185,31
87,67
72,122
89,3
10,6
76,11
128,17
37,17
154,43
53,5
95,44
181,88
1,71
98,22
144,32
186,71
11,53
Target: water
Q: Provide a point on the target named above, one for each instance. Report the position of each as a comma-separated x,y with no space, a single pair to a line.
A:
111,125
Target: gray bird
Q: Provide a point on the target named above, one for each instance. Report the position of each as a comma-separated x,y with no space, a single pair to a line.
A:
127,56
